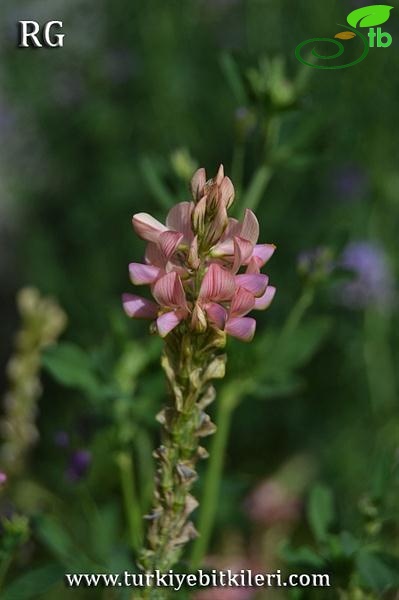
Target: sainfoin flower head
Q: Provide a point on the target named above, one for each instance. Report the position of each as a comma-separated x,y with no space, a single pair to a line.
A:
203,268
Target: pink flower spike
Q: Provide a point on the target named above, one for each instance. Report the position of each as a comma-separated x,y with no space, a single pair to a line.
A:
216,314
168,321
242,252
168,291
3,478
264,301
179,219
147,227
218,284
242,303
169,242
138,307
263,252
250,227
254,283
242,328
143,274
197,184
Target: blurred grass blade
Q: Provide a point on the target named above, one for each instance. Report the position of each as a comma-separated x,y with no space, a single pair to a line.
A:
34,583
257,188
233,78
155,184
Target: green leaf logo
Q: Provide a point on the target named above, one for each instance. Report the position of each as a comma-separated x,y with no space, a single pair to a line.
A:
369,16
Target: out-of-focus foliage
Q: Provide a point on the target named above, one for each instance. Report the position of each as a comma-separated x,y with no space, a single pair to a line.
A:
115,123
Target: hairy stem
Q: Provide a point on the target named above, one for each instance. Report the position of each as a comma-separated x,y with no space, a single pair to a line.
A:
190,361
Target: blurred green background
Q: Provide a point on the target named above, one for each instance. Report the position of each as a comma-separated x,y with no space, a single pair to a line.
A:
115,123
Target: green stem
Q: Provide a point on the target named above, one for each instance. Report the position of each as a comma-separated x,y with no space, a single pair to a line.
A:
132,508
297,313
378,359
4,566
257,187
237,169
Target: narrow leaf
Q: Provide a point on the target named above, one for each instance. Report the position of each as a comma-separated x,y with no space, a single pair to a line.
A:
320,511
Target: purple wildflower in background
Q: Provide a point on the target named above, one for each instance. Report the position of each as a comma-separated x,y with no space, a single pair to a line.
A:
373,282
78,466
349,182
3,478
316,262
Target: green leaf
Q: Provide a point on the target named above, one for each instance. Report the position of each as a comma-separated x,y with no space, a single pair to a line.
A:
376,572
350,545
320,511
302,556
369,16
71,366
297,349
34,583
59,542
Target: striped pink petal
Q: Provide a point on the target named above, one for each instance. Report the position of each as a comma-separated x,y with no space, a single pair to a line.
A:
263,252
179,219
225,248
168,291
168,321
197,184
217,314
227,192
243,301
199,215
254,283
155,256
242,328
143,274
242,252
219,175
218,284
169,242
218,224
253,266
147,227
250,227
138,307
264,301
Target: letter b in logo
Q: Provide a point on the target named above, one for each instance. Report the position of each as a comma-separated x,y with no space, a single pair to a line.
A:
381,36
383,39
